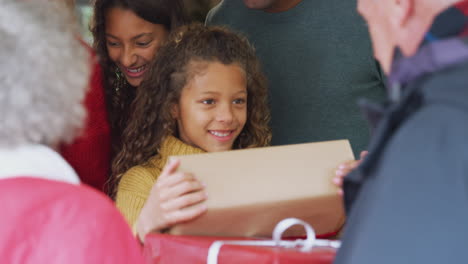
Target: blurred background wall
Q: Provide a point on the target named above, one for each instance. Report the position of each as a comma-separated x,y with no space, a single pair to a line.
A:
197,10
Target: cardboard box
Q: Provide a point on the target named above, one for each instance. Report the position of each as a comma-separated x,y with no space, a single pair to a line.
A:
250,191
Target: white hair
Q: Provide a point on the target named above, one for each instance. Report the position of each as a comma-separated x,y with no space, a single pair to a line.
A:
44,73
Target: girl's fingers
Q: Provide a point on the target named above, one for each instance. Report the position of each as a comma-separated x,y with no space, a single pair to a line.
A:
181,188
338,181
346,168
170,168
363,154
184,201
353,165
340,172
174,179
340,192
186,214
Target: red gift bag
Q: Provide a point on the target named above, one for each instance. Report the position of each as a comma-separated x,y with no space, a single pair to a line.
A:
168,249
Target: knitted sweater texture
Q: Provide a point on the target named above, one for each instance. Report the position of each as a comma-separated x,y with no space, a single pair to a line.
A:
136,184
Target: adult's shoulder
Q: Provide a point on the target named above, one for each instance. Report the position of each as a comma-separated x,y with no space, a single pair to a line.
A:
80,224
437,128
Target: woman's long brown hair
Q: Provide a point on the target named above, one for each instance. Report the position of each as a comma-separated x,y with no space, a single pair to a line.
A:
151,121
119,94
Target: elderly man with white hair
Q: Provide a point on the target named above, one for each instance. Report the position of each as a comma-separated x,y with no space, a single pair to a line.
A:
408,200
43,80
47,216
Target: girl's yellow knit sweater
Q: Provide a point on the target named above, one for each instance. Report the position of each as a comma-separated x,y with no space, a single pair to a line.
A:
135,185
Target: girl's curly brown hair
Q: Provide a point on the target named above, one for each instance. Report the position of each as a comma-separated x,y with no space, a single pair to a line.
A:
119,94
152,121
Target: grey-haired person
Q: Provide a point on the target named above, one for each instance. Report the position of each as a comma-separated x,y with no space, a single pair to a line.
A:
44,72
47,216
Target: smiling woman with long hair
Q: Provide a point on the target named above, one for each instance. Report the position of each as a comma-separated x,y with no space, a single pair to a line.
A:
127,35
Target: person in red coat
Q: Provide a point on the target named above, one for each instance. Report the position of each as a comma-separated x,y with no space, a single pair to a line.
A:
90,153
126,37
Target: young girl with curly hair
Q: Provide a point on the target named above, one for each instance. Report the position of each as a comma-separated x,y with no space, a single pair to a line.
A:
205,92
127,35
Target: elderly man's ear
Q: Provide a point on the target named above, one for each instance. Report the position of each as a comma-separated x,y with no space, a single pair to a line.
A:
409,24
401,12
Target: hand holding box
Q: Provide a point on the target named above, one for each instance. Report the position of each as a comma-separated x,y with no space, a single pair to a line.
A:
251,190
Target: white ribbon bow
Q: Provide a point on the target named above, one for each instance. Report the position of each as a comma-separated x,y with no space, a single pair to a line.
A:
303,245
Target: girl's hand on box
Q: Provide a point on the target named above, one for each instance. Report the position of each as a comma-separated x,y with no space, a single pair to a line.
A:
175,197
344,169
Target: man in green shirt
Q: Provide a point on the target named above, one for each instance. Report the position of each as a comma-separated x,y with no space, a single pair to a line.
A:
318,58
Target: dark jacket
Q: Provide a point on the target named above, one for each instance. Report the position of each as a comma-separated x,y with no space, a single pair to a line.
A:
408,201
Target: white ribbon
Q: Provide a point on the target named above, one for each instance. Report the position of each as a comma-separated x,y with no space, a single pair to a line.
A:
303,245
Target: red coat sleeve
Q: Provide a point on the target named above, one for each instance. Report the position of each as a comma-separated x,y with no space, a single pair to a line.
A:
54,222
89,154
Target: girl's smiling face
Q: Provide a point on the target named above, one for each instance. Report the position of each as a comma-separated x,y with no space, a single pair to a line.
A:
212,109
132,42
